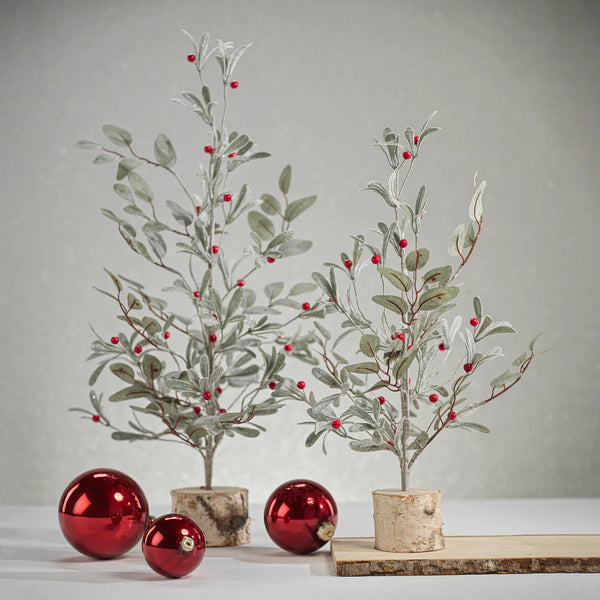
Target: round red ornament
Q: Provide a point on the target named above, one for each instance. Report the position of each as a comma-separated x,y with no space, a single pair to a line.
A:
103,513
300,516
173,545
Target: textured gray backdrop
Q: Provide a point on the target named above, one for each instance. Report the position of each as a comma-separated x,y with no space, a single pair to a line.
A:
517,89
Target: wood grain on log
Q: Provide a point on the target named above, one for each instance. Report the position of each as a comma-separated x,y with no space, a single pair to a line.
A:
221,513
473,555
408,521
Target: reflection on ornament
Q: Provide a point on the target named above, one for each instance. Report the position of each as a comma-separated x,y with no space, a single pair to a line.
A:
300,516
103,513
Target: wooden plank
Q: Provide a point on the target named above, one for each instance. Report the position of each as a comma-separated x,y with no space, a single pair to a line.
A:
471,555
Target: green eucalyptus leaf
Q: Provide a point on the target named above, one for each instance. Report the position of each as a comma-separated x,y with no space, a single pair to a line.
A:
363,367
369,344
324,377
302,288
179,213
261,225
396,278
129,393
294,247
103,159
297,207
151,367
140,187
439,275
393,303
126,165
457,240
270,204
123,372
477,307
123,191
117,135
272,290
417,259
435,297
476,207
285,179
164,151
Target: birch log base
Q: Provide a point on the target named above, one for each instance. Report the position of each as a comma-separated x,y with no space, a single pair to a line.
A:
221,513
408,521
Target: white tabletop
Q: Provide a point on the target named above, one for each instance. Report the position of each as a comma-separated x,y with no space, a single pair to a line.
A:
37,562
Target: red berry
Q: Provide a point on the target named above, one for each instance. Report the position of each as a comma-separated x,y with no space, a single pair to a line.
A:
433,398
400,336
222,410
301,385
305,306
288,347
348,264
232,155
390,443
234,84
336,424
272,385
219,390
207,395
406,155
375,259
198,209
468,367
138,349
381,400
403,243
209,149
197,410
196,294
191,57
409,346
441,347
215,249
270,259
226,197
452,416
416,139
96,418
241,283
114,340
167,335
474,322
212,338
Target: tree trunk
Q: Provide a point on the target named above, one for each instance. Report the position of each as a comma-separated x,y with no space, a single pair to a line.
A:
208,463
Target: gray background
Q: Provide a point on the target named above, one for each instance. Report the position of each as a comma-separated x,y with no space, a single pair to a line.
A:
517,88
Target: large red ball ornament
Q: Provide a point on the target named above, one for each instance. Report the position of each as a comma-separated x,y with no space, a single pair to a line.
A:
173,545
103,513
300,516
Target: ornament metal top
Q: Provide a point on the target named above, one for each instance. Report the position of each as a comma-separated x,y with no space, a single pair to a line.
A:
207,375
406,346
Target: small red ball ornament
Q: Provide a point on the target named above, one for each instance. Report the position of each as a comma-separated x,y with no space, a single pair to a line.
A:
167,335
433,398
234,85
288,347
336,424
207,395
474,322
272,385
305,306
114,340
103,513
406,155
270,259
196,294
241,283
138,349
226,197
375,259
441,347
173,545
381,399
212,338
403,243
197,410
209,149
452,416
468,367
191,57
300,516
96,418
301,385
215,249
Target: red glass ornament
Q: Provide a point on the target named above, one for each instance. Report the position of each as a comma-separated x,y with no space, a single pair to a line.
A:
103,513
173,545
300,516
